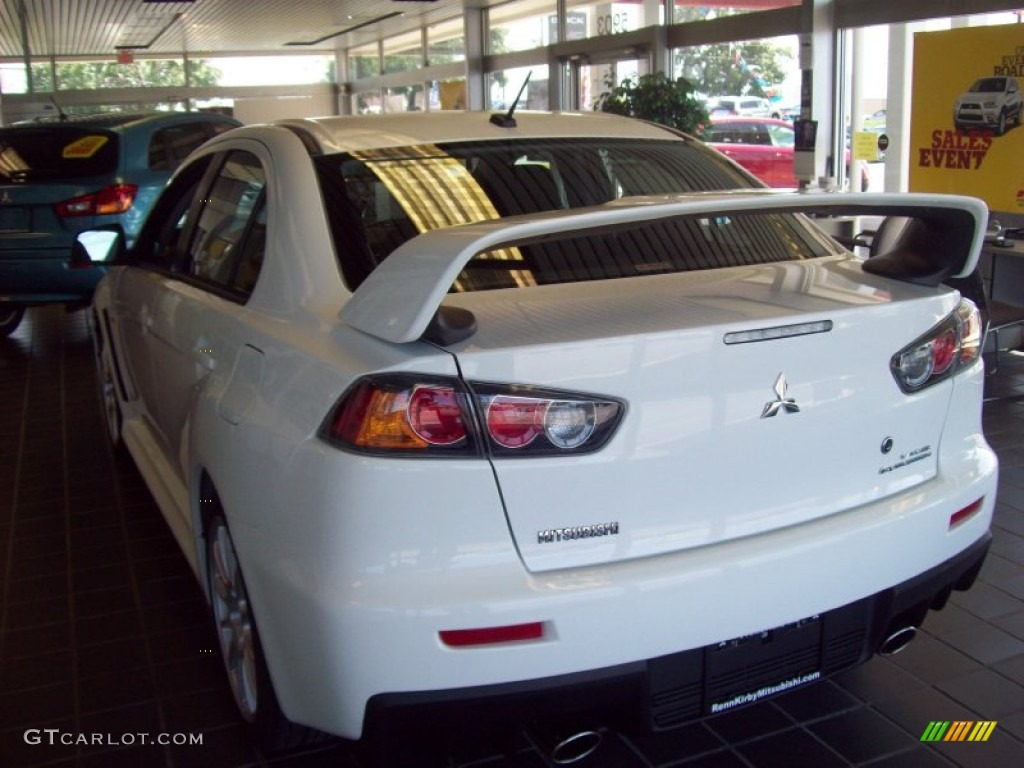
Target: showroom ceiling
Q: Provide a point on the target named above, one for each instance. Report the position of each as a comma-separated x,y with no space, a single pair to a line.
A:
103,27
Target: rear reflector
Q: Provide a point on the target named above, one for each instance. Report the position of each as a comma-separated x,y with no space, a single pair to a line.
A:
463,638
964,514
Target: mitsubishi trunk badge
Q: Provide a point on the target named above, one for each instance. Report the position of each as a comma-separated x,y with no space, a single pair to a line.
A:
781,402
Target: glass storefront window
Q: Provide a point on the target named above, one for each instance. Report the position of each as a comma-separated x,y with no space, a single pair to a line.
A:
505,84
13,78
268,70
367,103
363,61
598,79
404,98
522,26
403,53
98,75
766,69
446,42
448,94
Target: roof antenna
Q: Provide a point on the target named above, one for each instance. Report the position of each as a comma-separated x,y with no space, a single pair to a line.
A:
506,120
60,112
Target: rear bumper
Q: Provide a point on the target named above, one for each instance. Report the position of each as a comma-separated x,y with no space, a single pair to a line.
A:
679,688
46,277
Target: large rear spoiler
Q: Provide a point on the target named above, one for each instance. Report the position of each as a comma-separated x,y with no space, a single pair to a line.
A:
400,300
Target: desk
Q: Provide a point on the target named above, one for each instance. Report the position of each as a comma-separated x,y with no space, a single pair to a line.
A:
1010,264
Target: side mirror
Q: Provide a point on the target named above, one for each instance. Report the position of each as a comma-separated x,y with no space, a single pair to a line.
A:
104,246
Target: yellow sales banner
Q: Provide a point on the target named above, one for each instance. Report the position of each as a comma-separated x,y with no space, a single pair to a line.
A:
965,126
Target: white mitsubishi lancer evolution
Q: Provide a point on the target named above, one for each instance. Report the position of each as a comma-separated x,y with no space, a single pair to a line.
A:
541,412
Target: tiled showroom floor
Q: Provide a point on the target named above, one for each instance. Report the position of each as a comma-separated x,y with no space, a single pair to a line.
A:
103,630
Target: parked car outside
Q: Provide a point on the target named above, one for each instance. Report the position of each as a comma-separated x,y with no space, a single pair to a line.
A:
60,177
990,102
762,145
452,415
754,106
875,122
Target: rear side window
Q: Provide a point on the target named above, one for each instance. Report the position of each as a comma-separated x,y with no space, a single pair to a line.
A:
169,146
228,244
56,153
377,200
740,133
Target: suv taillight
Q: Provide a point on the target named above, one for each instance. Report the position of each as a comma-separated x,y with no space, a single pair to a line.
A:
399,414
116,198
949,347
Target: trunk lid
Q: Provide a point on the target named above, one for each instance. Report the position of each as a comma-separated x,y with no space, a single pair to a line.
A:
722,438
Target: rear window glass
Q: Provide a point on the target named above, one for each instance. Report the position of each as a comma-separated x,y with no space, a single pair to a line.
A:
379,199
56,153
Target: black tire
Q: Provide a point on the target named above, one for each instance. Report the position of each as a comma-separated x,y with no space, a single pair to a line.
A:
241,650
1001,123
10,319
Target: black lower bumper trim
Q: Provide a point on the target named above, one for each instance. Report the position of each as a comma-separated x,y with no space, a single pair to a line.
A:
682,687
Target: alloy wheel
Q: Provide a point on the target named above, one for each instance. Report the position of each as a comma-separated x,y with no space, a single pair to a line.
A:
111,408
233,618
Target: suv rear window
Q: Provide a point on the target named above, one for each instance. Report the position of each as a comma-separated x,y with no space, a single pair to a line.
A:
56,153
379,199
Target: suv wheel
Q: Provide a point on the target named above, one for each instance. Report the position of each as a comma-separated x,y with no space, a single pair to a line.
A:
10,319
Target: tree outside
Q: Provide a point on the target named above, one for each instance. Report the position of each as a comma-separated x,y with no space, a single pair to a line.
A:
657,98
109,75
99,75
755,68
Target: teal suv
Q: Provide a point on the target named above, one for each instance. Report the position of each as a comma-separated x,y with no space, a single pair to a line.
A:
60,177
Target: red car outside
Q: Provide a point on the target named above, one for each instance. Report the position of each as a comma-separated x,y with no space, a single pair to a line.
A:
762,145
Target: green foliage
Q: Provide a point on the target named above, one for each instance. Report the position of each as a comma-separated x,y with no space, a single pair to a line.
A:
734,69
97,75
656,98
750,68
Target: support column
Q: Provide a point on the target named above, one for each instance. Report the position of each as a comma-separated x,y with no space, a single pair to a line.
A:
818,52
476,36
853,178
342,89
897,108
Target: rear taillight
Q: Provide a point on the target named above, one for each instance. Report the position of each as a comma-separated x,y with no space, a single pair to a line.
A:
399,414
529,421
949,347
408,415
116,198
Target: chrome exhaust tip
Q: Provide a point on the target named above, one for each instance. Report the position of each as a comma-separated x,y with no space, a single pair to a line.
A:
897,641
576,747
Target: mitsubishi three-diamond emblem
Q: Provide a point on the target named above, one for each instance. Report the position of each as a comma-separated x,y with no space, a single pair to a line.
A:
781,402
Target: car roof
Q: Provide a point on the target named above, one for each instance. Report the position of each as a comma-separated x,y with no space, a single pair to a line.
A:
119,121
353,133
